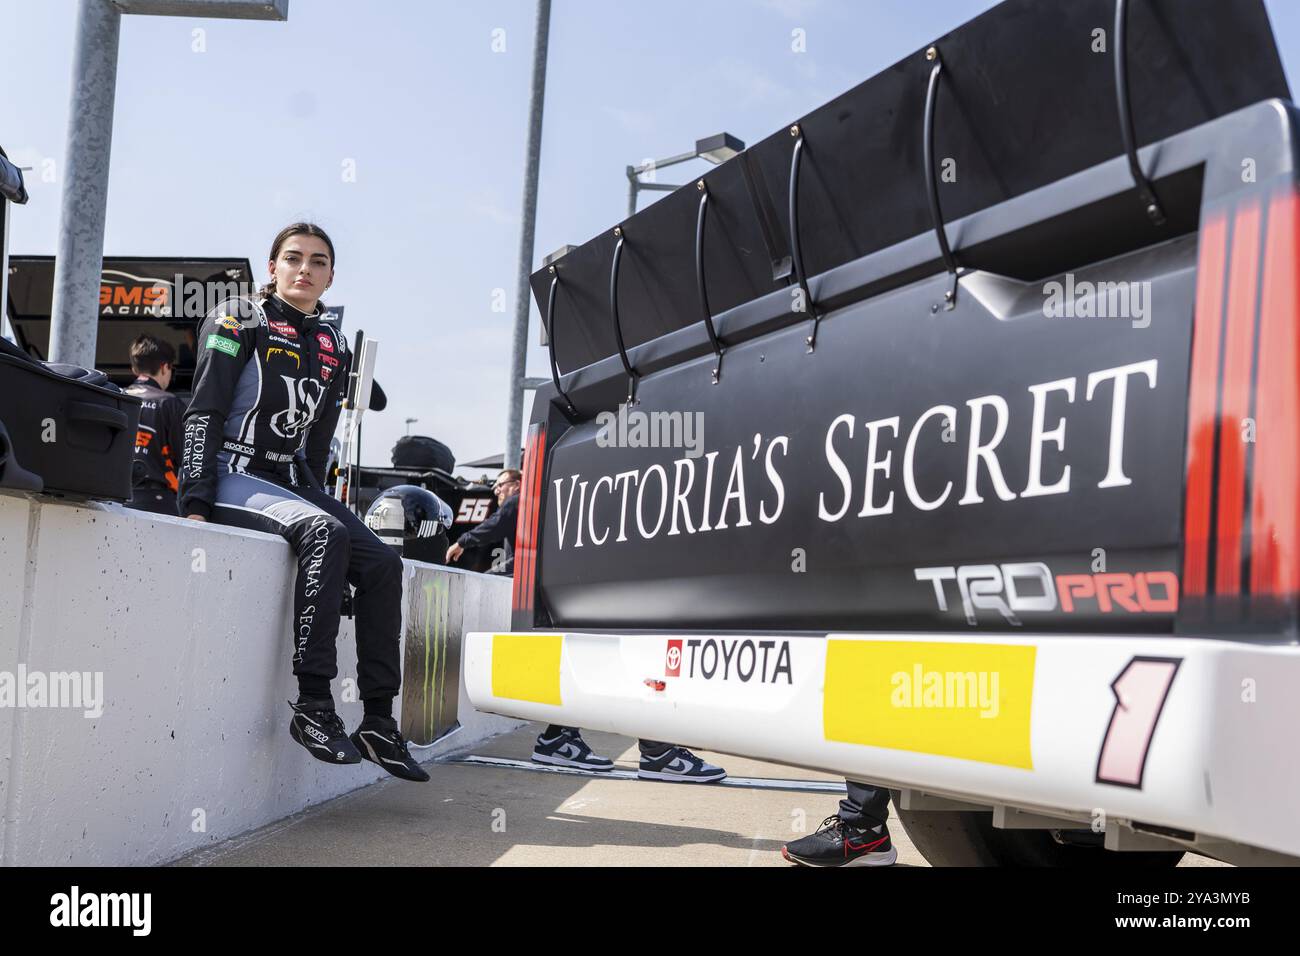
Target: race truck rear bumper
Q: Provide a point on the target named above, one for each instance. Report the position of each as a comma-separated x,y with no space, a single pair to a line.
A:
1170,738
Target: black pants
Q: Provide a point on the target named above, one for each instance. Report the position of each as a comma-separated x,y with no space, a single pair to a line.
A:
156,499
865,806
649,748
331,544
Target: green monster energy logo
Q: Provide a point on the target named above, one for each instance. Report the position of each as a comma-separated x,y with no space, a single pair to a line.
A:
435,672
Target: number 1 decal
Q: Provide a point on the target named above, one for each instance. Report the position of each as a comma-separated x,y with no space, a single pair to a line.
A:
1140,692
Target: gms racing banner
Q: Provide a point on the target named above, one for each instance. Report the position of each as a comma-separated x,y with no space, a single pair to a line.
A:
164,297
958,470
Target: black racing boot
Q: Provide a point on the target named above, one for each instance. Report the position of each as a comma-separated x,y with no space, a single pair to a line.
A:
317,727
379,741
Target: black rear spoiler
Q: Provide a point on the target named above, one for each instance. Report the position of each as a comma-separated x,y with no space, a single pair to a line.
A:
1018,98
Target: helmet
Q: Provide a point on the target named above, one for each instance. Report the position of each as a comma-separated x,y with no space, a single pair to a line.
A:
412,520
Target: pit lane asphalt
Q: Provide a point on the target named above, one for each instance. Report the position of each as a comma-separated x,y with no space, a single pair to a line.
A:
477,814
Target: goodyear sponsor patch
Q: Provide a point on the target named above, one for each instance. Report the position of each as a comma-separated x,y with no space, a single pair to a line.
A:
965,700
222,345
527,667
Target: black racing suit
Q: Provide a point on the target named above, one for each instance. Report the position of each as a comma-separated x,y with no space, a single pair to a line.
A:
157,447
268,388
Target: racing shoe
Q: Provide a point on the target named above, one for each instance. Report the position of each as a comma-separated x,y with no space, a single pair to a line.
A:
380,742
837,843
679,765
568,749
317,727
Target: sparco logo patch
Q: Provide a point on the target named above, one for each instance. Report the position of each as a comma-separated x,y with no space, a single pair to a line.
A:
315,734
744,660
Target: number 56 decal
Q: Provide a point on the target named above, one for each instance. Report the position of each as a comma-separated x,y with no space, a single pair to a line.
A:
1140,692
473,509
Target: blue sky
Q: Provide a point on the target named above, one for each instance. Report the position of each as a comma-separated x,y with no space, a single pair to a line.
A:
214,151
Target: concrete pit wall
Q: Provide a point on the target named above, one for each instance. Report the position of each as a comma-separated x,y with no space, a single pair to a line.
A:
188,627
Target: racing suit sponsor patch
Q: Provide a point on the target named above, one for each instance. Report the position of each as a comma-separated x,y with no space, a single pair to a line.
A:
290,353
222,345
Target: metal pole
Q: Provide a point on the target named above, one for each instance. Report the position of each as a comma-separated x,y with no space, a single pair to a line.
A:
632,183
523,296
80,255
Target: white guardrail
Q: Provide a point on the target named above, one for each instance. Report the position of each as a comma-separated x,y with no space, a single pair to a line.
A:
144,673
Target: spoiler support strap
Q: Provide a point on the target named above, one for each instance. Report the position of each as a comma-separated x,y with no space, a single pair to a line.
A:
932,188
699,278
550,341
632,376
1145,190
796,249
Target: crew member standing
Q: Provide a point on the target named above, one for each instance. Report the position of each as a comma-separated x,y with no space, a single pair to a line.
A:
854,836
158,439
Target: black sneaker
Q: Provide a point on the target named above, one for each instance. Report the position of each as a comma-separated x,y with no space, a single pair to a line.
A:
680,766
380,742
568,749
836,843
317,727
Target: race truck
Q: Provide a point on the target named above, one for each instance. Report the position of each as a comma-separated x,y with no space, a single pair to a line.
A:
947,439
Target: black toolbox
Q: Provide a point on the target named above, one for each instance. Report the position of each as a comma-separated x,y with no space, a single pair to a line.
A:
78,439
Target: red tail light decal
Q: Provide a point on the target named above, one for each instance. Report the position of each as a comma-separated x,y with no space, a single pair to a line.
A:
1275,512
534,545
1235,396
521,526
1202,405
530,510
